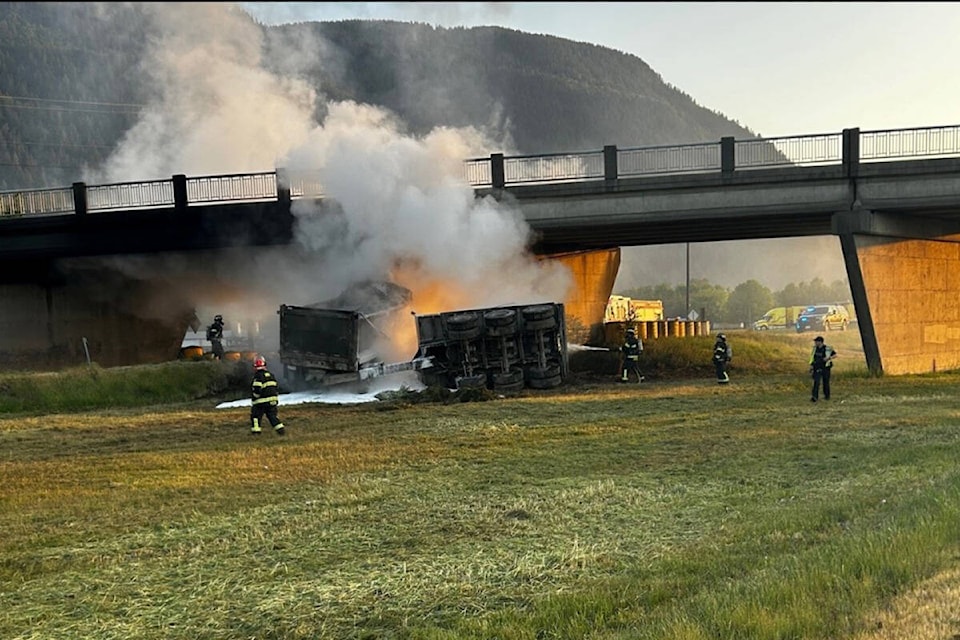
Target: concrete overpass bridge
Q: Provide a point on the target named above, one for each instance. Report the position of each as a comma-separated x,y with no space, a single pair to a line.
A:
892,198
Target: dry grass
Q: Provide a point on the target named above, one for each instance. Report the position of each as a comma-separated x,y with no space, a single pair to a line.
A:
677,509
930,611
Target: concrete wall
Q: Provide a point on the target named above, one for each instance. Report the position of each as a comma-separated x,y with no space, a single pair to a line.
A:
913,288
594,274
44,326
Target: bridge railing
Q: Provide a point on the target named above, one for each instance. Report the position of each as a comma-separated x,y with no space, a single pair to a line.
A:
684,158
899,144
848,148
245,186
36,202
129,195
805,150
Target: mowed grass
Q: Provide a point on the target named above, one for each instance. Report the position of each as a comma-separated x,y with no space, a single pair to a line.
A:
677,509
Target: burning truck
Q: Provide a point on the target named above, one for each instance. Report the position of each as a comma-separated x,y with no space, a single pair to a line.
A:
503,348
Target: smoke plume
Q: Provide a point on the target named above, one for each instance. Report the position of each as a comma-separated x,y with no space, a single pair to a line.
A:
394,206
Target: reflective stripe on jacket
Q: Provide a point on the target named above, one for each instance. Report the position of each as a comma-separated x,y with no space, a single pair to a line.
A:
264,388
822,356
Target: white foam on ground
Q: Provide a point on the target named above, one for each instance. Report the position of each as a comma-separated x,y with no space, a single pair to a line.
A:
348,393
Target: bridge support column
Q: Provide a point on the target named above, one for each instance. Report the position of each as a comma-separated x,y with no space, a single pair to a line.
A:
904,275
594,273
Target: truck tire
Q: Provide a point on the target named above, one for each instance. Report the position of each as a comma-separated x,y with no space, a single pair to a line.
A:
537,312
552,370
545,383
500,317
464,326
508,381
542,324
500,322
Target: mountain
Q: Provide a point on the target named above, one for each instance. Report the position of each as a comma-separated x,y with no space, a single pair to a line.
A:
543,94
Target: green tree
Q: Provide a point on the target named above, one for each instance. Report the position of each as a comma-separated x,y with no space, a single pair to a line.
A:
709,300
814,292
747,301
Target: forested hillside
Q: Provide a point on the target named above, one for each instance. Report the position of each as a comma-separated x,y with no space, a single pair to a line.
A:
71,84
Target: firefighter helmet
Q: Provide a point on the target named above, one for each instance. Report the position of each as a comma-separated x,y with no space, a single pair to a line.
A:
259,363
631,332
218,318
720,336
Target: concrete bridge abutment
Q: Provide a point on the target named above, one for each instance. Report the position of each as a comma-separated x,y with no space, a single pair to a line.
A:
594,274
904,275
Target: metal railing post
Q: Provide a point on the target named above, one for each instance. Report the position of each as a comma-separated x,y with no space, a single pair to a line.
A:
497,176
728,155
80,198
610,169
180,192
851,152
283,186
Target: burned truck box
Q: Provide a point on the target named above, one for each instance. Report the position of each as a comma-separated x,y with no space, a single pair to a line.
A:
503,348
336,340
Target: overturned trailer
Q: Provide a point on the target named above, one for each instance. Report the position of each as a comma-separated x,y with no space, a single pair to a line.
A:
502,348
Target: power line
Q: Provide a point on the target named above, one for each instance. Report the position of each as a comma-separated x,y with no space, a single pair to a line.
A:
70,109
38,166
84,102
77,106
55,144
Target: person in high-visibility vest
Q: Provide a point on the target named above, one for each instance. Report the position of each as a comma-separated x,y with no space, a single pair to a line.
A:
264,398
821,364
632,348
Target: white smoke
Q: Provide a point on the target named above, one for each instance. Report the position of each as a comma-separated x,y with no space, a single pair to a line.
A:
406,206
393,203
215,110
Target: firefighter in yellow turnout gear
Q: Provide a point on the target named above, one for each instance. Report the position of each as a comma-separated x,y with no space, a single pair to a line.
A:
263,398
631,350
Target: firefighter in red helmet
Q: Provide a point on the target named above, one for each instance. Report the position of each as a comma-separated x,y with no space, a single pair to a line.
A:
263,398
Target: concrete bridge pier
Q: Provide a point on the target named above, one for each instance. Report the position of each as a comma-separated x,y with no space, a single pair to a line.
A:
594,274
904,274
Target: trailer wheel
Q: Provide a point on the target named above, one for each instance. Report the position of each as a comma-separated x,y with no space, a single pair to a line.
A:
500,317
508,381
540,325
545,383
464,326
552,370
537,312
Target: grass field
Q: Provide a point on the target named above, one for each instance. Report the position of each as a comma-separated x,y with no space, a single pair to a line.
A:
679,509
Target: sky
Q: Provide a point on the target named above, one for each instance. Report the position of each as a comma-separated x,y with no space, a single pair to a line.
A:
777,68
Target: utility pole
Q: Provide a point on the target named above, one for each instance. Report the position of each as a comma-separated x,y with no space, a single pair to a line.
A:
686,311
